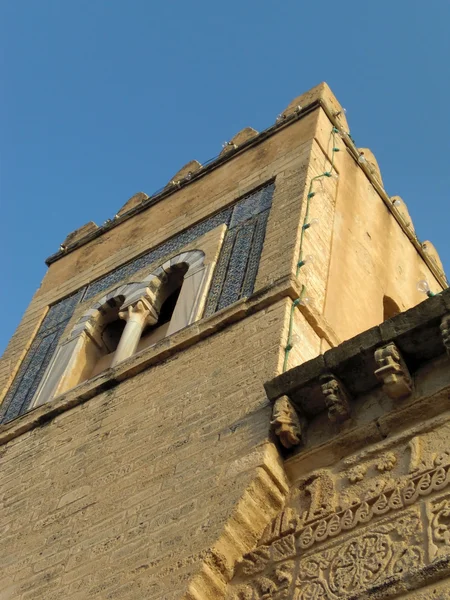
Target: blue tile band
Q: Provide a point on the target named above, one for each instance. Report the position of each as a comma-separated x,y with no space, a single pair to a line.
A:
234,278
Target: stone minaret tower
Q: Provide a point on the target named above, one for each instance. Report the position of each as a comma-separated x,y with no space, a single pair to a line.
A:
186,411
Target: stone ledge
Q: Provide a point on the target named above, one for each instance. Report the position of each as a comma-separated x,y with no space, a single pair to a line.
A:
415,332
367,388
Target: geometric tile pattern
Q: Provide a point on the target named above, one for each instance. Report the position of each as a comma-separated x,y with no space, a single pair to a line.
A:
158,253
38,357
236,270
234,278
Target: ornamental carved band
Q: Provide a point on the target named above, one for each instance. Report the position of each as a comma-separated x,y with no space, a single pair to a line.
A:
285,423
445,332
376,546
393,372
337,399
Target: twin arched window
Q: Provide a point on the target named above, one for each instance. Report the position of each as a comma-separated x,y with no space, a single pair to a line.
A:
128,327
127,320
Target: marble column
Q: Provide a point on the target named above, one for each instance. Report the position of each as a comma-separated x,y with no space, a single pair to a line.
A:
137,315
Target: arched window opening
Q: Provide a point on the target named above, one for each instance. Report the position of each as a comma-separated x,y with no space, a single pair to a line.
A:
166,302
105,334
390,308
131,317
112,333
168,306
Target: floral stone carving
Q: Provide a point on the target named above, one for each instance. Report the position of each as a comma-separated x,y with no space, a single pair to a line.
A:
386,462
359,563
357,473
343,569
439,529
346,553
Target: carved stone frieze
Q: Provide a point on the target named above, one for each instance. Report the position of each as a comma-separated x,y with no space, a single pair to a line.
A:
362,562
357,473
321,493
375,541
386,462
344,568
286,522
337,399
393,372
439,527
286,423
445,332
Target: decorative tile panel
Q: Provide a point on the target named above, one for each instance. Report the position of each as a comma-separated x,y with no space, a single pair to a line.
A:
31,370
61,312
236,270
160,252
259,234
252,205
231,291
233,279
220,273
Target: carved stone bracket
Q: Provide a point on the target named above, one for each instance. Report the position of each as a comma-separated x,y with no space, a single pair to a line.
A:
337,399
393,372
445,332
286,423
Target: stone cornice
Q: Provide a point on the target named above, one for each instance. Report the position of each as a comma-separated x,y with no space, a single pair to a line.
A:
408,341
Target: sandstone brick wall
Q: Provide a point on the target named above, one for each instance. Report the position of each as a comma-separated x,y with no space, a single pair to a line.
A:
370,254
361,252
285,156
119,497
122,495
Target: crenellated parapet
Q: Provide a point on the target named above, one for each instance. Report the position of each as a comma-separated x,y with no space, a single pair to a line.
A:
243,136
185,173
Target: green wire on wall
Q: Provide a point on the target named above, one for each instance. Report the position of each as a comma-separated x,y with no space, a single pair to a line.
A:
301,260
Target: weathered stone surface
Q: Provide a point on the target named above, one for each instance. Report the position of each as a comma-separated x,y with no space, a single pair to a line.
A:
393,372
286,423
402,209
371,524
368,157
79,234
134,201
323,93
159,477
240,138
295,378
337,399
185,172
445,332
431,251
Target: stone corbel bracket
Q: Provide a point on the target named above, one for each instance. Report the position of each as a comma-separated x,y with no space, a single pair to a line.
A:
393,372
286,423
419,336
445,332
337,398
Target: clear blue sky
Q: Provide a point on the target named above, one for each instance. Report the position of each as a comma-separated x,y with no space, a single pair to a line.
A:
104,98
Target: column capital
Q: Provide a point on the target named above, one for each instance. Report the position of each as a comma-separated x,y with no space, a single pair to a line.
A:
140,308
